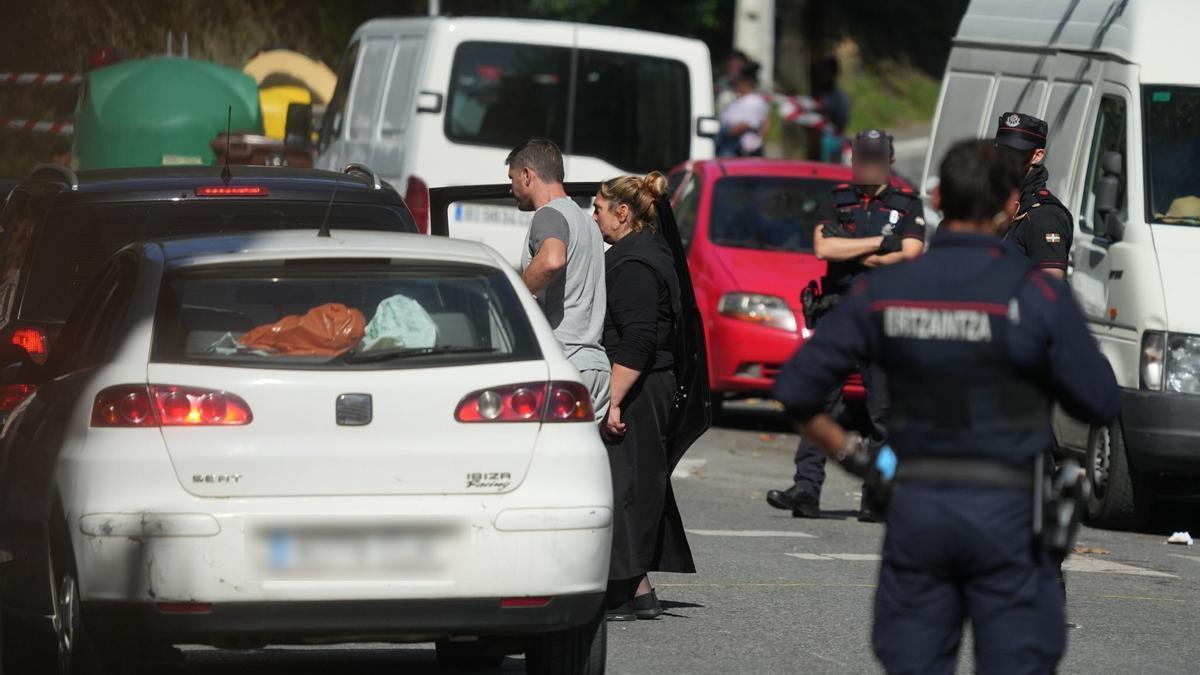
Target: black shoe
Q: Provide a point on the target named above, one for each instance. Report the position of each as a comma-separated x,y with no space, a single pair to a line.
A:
801,502
622,612
647,606
868,515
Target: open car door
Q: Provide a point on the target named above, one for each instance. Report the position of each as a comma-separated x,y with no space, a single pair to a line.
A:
458,211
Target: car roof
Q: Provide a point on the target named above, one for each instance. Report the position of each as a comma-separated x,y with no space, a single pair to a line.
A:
292,244
170,183
508,29
753,166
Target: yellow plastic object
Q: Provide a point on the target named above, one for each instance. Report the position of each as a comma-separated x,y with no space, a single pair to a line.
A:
274,103
284,66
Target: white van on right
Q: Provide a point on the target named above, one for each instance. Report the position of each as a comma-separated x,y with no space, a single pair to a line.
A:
1121,93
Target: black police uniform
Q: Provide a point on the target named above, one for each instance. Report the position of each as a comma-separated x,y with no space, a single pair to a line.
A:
1042,228
976,344
848,209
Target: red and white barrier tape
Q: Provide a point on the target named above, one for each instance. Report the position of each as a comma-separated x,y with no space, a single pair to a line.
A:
802,110
40,79
37,126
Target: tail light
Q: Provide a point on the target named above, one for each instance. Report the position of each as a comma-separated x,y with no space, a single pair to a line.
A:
33,340
416,196
11,396
530,402
232,191
136,405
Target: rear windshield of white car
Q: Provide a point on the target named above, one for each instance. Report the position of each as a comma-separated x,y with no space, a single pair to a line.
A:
361,314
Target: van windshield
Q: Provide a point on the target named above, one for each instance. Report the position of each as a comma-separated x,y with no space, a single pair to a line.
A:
1172,123
630,110
773,214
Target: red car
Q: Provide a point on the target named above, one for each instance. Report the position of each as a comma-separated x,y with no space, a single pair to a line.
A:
748,224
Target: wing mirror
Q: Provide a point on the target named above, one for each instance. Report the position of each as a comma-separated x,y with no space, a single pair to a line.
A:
708,127
17,367
1108,219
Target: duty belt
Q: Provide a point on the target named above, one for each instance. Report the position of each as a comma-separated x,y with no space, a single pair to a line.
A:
965,471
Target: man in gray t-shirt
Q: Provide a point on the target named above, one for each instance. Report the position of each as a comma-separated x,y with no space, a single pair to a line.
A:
562,262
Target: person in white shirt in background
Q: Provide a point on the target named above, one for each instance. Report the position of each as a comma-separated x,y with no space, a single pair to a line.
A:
746,121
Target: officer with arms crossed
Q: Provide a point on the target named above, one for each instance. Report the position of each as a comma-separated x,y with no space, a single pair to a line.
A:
976,344
858,227
1042,227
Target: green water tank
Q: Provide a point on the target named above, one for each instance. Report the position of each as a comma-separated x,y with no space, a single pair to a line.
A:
163,110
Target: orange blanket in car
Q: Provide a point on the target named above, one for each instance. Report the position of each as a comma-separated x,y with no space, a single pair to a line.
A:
325,330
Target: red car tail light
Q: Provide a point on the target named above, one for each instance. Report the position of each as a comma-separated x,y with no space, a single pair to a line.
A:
416,196
522,602
530,402
11,396
33,340
231,191
136,405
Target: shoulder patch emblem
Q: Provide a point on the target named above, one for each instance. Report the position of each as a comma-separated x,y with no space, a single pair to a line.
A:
1053,238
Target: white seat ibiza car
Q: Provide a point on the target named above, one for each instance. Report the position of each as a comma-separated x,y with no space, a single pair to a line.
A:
281,438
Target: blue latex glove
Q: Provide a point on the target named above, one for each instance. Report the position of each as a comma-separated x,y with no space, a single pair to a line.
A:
886,462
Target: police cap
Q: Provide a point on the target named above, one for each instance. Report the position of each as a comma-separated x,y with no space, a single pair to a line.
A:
873,144
1021,131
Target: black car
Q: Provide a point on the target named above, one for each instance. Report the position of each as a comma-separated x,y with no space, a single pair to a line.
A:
59,227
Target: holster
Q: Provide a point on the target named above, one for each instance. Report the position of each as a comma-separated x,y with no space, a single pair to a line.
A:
1059,501
815,304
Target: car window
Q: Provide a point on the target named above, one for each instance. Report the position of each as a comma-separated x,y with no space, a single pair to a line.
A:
503,93
76,241
687,208
90,332
632,111
341,314
368,88
331,125
1109,135
1172,140
401,88
15,247
767,213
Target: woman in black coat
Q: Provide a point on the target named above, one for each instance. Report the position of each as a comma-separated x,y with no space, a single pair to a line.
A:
639,336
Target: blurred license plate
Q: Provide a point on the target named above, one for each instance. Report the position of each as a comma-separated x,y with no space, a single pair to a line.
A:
358,553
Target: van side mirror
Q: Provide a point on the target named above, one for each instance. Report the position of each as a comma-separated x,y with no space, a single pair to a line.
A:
708,127
17,367
297,131
1108,221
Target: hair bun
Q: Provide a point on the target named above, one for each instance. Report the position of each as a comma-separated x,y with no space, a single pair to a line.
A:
655,185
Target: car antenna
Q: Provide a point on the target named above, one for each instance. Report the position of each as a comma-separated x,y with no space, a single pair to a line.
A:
324,231
226,174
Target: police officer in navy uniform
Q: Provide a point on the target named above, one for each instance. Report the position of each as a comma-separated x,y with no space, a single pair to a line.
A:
1042,227
859,226
977,344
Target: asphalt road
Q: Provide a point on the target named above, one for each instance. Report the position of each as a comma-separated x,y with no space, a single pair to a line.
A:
776,594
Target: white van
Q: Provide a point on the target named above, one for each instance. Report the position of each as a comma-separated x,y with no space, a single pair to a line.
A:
432,102
1115,82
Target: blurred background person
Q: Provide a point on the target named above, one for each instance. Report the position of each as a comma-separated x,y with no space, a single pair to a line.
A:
829,142
746,121
639,335
726,87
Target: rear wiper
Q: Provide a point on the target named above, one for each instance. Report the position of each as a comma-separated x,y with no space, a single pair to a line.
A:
407,352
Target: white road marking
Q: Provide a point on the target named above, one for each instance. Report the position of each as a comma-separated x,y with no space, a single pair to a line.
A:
750,533
1195,559
858,557
1080,564
685,467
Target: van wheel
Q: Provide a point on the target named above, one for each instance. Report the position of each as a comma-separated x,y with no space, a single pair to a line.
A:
1120,495
582,650
477,655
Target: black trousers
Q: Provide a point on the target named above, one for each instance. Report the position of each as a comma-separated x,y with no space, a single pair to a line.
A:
868,418
957,552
